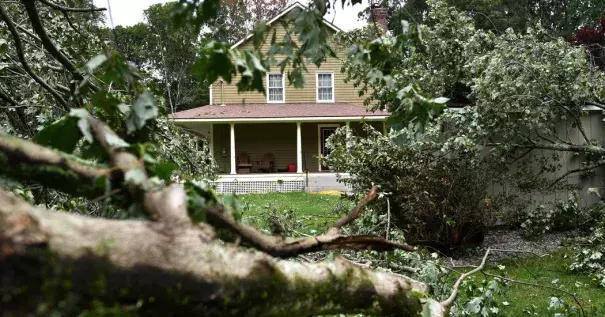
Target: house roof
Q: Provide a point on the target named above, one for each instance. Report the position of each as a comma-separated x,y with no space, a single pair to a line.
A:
281,14
237,112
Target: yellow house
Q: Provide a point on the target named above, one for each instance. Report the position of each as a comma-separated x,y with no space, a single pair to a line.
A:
273,139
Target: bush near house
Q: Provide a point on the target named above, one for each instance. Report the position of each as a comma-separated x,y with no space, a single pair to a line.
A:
439,199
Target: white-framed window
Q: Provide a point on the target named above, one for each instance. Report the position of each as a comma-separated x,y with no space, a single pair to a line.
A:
325,87
275,87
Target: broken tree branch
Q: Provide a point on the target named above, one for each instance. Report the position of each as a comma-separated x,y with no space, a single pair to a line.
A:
21,55
290,247
285,247
168,205
450,300
589,148
354,213
137,263
27,161
576,170
38,27
65,9
537,285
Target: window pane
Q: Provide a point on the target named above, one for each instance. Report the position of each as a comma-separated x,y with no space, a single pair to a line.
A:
275,80
325,93
324,87
324,80
276,94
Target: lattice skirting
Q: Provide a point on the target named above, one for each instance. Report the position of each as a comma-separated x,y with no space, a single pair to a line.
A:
258,187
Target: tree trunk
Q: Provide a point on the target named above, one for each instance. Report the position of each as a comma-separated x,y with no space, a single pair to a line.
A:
52,259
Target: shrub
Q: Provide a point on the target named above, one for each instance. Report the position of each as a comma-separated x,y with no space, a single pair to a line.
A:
562,215
538,221
440,199
589,254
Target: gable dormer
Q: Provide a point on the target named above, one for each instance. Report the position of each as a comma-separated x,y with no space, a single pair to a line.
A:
324,84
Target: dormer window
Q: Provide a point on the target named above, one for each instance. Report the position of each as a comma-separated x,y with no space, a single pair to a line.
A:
325,87
275,87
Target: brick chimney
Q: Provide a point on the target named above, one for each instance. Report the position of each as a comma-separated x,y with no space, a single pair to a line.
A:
379,17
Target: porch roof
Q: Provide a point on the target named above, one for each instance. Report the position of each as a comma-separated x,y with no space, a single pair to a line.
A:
276,111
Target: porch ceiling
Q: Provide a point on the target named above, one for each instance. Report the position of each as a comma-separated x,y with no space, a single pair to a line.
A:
278,112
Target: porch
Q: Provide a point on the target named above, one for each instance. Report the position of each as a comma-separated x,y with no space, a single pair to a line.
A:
275,147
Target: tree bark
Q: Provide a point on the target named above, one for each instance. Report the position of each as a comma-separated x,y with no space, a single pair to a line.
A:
48,258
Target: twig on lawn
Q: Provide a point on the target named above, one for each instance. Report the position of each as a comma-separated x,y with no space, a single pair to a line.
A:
537,285
354,213
450,300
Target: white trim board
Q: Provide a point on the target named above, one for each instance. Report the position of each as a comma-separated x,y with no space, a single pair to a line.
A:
210,103
293,119
319,126
286,10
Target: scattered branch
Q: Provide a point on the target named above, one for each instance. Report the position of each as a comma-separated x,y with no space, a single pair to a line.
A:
290,247
559,147
450,300
38,27
577,170
65,9
537,285
68,19
25,160
354,213
21,55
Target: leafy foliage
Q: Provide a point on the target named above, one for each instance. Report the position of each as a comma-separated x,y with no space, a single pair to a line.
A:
560,18
589,256
439,199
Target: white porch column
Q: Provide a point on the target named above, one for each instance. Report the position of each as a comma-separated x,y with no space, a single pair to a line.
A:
348,124
232,152
384,128
298,148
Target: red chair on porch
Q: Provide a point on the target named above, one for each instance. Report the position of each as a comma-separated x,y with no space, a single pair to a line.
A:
268,163
243,164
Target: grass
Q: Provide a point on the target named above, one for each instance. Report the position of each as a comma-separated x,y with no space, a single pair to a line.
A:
550,270
311,214
307,213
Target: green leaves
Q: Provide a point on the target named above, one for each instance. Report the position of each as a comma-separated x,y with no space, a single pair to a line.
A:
143,109
82,115
65,133
61,135
214,62
199,196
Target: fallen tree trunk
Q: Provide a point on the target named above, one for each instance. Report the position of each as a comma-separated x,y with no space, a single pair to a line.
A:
47,258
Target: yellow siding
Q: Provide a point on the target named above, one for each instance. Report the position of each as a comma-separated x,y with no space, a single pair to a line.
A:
223,93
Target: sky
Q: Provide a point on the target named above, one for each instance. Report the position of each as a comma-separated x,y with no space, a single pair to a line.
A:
129,12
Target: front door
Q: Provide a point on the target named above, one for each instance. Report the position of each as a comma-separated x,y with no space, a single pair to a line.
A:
324,133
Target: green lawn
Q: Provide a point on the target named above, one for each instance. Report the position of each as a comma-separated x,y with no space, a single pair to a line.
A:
305,213
311,214
550,270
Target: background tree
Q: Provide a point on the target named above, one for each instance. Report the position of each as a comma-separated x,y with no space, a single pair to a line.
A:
172,52
593,39
236,18
561,18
